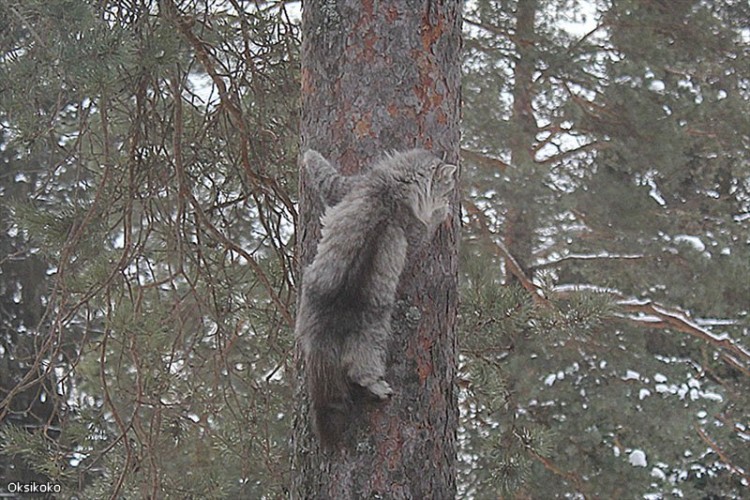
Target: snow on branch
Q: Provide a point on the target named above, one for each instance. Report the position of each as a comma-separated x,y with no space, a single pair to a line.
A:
639,311
732,352
654,315
593,256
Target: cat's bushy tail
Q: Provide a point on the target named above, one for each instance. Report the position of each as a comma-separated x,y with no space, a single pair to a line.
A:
330,396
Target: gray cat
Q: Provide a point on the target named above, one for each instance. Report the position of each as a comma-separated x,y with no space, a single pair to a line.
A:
349,290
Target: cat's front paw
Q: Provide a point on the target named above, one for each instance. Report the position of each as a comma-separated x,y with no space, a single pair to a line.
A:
380,389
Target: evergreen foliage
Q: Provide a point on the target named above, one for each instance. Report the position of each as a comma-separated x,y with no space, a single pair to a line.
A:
628,341
148,154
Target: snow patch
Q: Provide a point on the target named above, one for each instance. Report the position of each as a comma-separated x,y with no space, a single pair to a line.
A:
658,474
656,86
693,241
637,458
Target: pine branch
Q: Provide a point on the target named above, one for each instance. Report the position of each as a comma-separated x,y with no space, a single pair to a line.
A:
484,160
480,220
572,477
256,175
578,257
656,315
283,308
494,30
721,453
564,154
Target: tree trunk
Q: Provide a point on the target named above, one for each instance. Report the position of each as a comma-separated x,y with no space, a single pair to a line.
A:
521,217
378,77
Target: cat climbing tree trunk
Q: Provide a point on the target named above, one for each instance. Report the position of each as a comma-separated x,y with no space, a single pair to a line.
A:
378,77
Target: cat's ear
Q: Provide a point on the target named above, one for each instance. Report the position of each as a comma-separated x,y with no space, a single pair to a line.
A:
314,160
445,172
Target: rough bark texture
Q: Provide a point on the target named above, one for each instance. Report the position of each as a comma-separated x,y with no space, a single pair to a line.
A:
380,76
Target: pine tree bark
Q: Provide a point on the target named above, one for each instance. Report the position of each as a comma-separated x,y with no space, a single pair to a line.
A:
380,76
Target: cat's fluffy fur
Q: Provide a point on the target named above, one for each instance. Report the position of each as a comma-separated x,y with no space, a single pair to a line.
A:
349,290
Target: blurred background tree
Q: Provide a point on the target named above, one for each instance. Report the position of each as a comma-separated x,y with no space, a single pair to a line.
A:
148,203
607,182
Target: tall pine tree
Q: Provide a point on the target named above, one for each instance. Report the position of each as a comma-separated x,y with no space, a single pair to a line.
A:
377,78
147,246
615,363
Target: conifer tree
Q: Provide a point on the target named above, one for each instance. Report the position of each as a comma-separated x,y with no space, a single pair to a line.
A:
374,79
616,364
148,266
147,246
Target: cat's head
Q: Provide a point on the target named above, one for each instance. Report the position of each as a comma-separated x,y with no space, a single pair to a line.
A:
424,179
